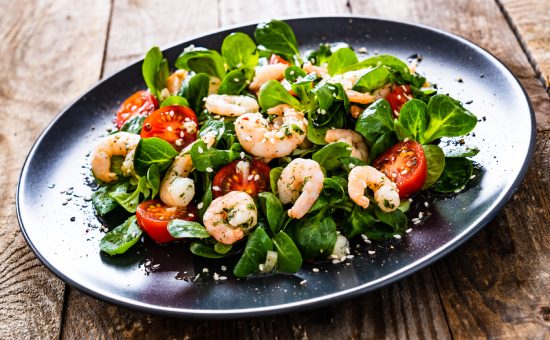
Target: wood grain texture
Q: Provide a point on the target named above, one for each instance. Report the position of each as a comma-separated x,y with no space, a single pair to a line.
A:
137,25
238,11
497,284
531,20
43,43
409,308
479,21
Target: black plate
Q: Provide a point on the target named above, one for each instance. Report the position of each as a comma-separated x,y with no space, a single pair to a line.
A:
58,221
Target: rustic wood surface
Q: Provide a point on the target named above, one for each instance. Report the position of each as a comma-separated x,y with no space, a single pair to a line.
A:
496,285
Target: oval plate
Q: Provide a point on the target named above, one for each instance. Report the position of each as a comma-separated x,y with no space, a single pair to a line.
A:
58,222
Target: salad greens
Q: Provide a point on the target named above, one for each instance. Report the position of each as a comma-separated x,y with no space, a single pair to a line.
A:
396,107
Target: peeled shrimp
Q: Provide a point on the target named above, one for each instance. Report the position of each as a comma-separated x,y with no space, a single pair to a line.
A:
385,191
278,138
300,183
174,82
265,73
118,144
349,79
226,105
319,70
177,189
228,217
358,147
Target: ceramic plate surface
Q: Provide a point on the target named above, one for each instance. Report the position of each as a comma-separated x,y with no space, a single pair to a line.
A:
58,220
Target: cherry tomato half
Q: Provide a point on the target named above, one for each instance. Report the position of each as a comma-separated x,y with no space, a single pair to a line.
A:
405,164
140,103
399,96
275,59
153,217
234,177
175,124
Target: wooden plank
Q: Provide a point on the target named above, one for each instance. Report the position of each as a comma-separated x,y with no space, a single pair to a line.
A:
497,284
410,302
531,21
136,26
238,11
51,52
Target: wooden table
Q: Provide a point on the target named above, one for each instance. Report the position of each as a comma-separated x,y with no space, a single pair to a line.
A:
497,285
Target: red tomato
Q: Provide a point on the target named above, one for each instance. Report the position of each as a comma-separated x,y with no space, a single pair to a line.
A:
275,59
140,103
405,164
169,122
230,178
153,217
399,96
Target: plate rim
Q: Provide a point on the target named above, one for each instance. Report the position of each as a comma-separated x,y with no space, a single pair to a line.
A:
310,303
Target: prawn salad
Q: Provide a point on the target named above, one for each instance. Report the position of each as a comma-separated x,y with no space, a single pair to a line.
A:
273,157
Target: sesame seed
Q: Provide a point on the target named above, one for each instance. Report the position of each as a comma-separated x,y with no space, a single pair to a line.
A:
371,252
169,128
200,205
349,256
333,256
351,165
256,177
250,177
397,236
156,266
223,278
408,230
216,276
335,261
242,154
315,270
205,270
420,215
200,149
216,188
236,80
426,204
191,215
224,268
343,258
209,169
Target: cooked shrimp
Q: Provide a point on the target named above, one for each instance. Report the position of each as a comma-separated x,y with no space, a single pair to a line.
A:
321,71
174,82
265,73
358,147
118,144
349,79
356,111
226,105
176,188
278,138
229,217
300,183
385,191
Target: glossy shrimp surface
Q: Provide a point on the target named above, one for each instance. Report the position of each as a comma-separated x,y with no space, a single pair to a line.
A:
271,138
230,216
266,73
226,105
358,147
300,183
385,191
118,144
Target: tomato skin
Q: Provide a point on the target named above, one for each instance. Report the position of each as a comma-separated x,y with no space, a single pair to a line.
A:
168,123
153,217
228,179
140,103
405,164
275,59
398,97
